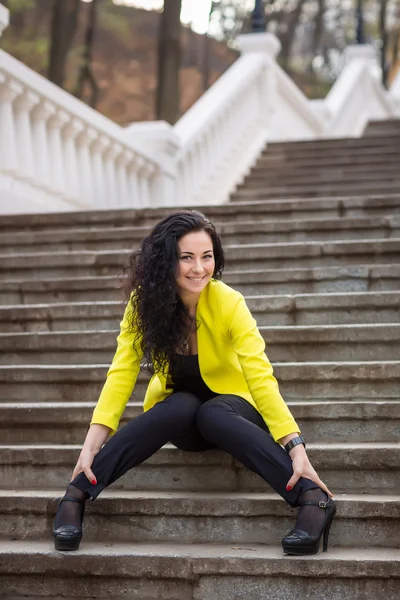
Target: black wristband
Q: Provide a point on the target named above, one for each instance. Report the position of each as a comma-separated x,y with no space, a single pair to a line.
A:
295,442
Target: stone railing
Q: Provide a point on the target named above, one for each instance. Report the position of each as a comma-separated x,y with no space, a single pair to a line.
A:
357,95
57,154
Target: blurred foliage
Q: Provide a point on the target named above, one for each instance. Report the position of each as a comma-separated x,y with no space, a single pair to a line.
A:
114,21
20,5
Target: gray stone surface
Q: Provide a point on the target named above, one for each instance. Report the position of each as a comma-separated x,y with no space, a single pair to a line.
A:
238,257
315,248
258,231
368,466
269,310
347,279
370,342
329,421
212,570
198,517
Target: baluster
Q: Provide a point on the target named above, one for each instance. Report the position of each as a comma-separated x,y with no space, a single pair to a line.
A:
70,132
123,177
58,173
85,170
144,170
8,152
23,128
111,174
134,198
41,156
98,147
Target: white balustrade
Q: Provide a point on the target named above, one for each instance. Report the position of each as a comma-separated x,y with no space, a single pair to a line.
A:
23,133
56,153
9,90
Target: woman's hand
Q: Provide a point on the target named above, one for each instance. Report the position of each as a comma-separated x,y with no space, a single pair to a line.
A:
95,438
303,468
84,464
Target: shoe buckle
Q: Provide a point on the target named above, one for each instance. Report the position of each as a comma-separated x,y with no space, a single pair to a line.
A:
322,504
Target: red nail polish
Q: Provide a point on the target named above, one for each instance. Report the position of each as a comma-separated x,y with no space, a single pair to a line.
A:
288,487
94,482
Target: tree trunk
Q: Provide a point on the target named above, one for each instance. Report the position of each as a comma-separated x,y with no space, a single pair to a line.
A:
86,73
287,41
206,55
384,40
63,27
319,27
169,56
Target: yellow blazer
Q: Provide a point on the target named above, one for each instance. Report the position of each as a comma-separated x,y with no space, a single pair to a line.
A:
231,358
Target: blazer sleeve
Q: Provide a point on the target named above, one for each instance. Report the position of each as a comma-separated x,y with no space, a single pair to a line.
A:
121,376
249,346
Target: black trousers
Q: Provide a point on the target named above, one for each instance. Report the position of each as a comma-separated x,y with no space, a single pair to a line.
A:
227,422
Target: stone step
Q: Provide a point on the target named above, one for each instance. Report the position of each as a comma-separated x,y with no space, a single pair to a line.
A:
316,190
321,162
271,178
274,310
382,128
315,280
320,380
359,146
348,468
370,342
350,206
255,231
321,422
239,257
199,518
197,571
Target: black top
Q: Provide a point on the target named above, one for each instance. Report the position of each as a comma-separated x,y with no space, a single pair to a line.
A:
186,377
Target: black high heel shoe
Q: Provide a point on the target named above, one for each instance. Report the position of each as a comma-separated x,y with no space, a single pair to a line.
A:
300,542
68,537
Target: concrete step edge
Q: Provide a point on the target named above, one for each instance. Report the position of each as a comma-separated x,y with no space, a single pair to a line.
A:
359,506
72,236
350,244
189,562
32,221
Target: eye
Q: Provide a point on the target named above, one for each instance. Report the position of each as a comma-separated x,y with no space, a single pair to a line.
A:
209,256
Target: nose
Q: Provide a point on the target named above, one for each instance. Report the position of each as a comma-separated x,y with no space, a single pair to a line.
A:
197,267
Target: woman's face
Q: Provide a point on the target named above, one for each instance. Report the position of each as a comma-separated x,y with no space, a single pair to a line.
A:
196,263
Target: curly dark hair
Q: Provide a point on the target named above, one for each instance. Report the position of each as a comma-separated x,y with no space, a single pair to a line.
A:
158,314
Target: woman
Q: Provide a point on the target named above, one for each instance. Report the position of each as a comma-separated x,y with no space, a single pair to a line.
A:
212,385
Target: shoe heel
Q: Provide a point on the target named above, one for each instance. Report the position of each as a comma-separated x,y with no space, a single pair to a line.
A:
67,545
326,536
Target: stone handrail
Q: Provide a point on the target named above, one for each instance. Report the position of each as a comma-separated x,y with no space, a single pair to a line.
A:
357,96
58,153
224,132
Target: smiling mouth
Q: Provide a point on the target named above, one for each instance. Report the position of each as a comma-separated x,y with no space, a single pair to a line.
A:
196,279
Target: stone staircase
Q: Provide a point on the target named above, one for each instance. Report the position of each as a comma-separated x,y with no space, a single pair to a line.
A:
312,240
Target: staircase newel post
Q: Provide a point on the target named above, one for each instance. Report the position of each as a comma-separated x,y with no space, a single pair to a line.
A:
162,144
4,18
268,46
9,90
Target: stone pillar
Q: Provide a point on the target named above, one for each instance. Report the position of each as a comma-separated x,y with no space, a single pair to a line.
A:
23,127
4,18
268,45
9,90
40,115
160,142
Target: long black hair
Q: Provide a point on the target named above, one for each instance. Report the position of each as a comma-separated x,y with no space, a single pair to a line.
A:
158,315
